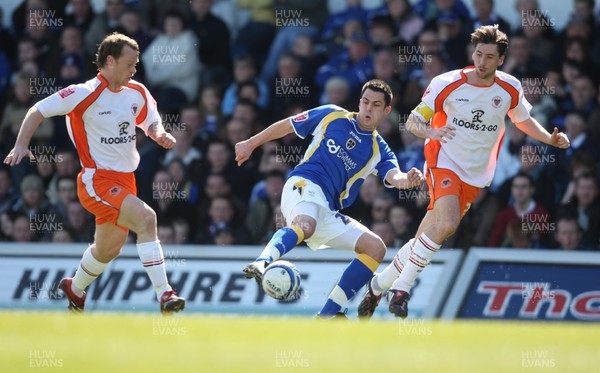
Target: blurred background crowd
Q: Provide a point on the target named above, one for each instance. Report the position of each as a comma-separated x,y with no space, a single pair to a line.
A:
221,71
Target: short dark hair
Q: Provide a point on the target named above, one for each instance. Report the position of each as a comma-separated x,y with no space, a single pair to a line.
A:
5,168
291,56
212,87
189,107
524,175
586,176
589,3
28,39
275,173
174,13
217,174
66,177
246,102
571,218
217,141
385,21
112,45
249,83
490,35
245,58
378,85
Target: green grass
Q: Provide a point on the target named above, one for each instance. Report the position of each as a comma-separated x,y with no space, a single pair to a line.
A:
39,342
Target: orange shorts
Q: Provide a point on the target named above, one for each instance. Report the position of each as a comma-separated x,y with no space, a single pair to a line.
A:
443,182
102,192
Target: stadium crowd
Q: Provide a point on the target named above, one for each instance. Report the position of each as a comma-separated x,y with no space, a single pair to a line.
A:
221,71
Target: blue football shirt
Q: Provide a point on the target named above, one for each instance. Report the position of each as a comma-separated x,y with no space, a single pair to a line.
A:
341,155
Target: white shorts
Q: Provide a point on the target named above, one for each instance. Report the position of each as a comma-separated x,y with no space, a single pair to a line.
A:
303,197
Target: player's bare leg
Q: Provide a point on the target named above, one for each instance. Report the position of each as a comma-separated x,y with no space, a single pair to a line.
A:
140,218
372,245
427,242
108,241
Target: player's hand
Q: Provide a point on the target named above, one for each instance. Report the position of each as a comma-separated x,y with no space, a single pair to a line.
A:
559,139
442,134
166,140
414,178
17,154
243,150
410,179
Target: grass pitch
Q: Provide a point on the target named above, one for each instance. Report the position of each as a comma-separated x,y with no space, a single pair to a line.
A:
96,342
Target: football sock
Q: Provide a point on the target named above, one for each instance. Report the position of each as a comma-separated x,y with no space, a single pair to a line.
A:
419,257
283,241
382,281
355,276
152,258
89,269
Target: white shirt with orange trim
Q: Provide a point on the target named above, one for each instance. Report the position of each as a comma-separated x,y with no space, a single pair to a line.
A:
477,113
101,122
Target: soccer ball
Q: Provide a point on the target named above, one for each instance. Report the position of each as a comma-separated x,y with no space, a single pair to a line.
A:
281,280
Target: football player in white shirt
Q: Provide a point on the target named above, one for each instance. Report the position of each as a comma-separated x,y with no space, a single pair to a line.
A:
102,114
461,115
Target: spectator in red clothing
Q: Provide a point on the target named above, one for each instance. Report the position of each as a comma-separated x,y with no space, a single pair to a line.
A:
533,216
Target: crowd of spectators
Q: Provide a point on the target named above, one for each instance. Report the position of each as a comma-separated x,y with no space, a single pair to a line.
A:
223,70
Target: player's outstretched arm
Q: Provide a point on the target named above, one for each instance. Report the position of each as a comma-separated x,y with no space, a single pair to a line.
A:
32,120
401,180
157,132
534,129
420,128
277,130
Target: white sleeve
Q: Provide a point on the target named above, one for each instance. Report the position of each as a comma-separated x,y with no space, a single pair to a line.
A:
426,107
520,112
62,102
431,92
152,114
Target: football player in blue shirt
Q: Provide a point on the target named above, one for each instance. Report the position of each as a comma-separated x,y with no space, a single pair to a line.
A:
345,149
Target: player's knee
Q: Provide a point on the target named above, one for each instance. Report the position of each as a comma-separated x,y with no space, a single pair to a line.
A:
309,230
108,252
373,246
448,226
378,250
307,226
147,220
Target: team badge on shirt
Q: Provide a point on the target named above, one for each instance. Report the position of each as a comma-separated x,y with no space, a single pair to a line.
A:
114,191
301,117
426,92
496,101
350,144
134,109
